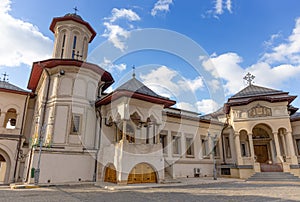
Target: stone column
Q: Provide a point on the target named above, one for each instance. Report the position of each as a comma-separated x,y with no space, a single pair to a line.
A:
238,148
209,142
251,145
284,152
277,147
291,148
157,134
124,130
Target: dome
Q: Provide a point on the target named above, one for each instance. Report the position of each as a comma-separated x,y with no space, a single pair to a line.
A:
73,15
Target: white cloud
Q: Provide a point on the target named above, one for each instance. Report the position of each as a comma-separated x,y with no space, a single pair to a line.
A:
22,42
186,106
206,106
127,14
109,66
288,52
169,83
117,34
228,5
219,7
269,43
161,6
193,85
226,66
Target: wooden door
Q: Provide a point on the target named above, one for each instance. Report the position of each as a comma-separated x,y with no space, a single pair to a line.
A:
110,174
261,153
142,173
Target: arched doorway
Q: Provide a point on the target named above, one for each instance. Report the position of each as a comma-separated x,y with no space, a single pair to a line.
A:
261,143
264,148
4,168
142,173
110,174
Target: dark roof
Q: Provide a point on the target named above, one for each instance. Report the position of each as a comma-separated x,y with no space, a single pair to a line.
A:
214,115
253,93
74,15
135,89
295,117
10,87
253,90
136,86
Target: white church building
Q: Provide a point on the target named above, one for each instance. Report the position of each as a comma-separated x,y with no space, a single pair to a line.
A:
66,129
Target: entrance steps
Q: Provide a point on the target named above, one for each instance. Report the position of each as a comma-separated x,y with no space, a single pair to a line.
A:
169,179
274,176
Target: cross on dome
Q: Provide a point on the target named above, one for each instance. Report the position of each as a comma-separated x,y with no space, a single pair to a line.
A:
5,77
133,71
75,9
249,78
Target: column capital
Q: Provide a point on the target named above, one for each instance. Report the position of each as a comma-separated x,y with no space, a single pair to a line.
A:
275,132
236,134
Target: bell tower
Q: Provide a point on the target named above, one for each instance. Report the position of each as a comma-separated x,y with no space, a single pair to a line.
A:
72,36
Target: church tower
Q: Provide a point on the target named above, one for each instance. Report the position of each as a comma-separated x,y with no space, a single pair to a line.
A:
72,35
66,88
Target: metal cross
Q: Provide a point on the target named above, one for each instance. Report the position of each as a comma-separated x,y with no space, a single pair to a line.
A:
5,77
249,78
133,71
75,9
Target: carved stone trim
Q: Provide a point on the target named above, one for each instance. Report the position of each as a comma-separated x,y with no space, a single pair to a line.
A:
259,111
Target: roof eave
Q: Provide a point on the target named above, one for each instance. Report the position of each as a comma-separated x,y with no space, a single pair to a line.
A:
37,69
65,18
123,93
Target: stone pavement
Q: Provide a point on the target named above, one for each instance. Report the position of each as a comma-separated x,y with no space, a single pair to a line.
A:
178,182
189,189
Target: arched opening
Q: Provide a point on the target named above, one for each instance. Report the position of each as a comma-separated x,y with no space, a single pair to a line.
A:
10,119
142,173
129,134
4,167
110,173
262,143
245,148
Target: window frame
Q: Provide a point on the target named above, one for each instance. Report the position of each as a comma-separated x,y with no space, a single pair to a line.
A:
78,131
189,147
176,137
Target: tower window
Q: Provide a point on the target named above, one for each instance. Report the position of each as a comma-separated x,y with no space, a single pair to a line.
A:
75,124
74,47
63,46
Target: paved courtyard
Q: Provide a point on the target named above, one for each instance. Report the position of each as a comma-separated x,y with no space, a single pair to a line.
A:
223,191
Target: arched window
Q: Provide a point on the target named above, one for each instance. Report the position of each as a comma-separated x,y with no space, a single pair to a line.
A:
129,134
244,143
63,46
74,47
10,119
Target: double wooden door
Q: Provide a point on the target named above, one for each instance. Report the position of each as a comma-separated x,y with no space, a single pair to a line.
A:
142,173
110,174
261,153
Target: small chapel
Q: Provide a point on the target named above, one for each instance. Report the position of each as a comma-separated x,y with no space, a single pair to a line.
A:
65,128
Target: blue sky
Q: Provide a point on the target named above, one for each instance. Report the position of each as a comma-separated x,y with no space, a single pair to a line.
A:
231,38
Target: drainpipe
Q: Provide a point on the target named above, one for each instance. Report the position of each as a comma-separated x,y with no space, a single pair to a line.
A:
20,138
99,142
37,170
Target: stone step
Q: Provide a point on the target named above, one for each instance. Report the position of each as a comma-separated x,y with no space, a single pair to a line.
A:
274,176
